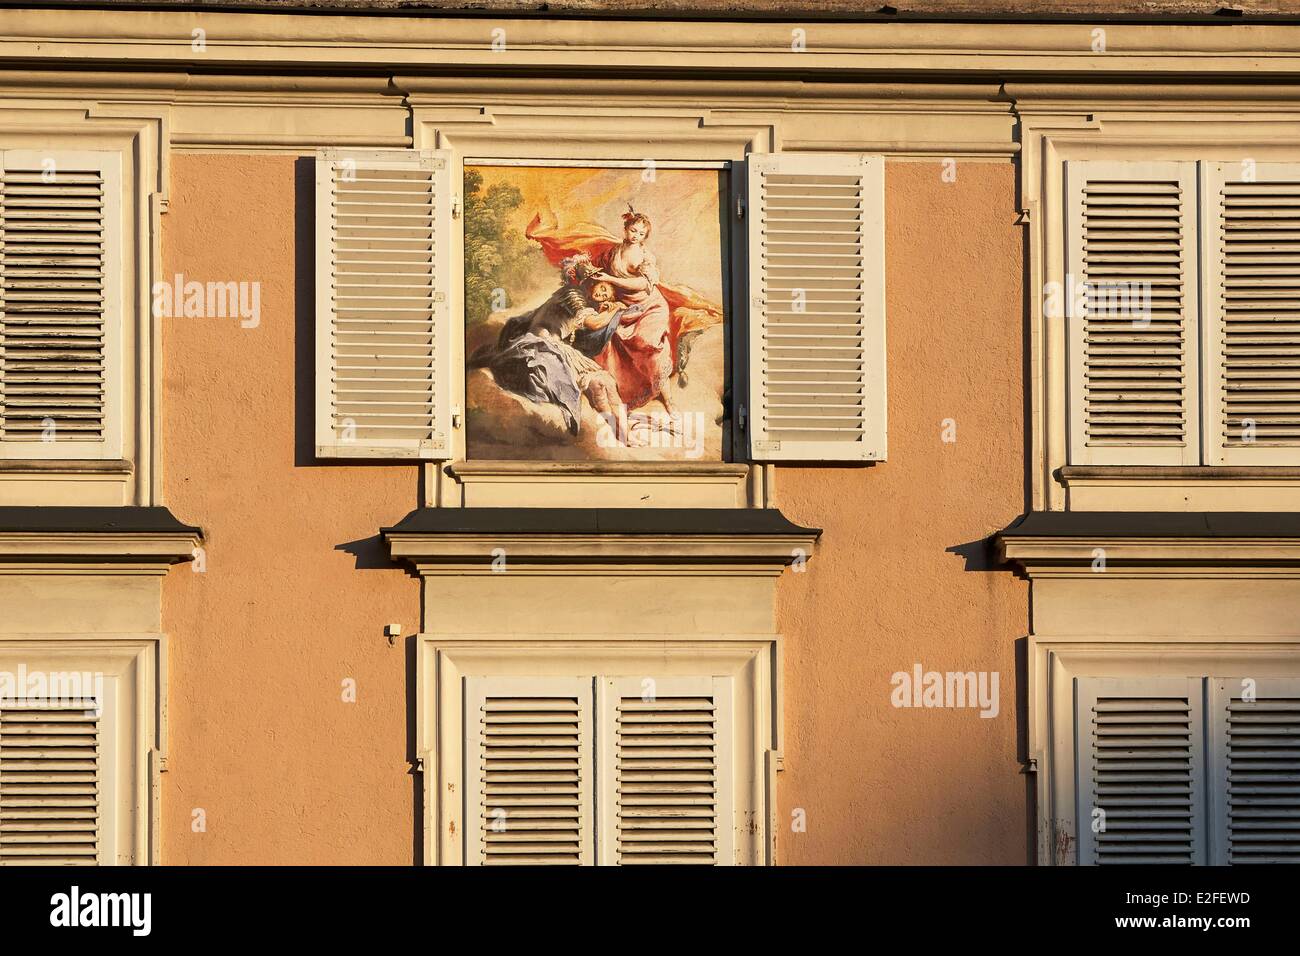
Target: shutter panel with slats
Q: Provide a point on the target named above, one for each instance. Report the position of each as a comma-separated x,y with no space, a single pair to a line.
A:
384,264
60,304
50,783
817,307
1256,776
1252,308
1133,372
1141,756
528,758
667,772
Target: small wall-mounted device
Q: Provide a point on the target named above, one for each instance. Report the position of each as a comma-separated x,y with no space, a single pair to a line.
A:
393,632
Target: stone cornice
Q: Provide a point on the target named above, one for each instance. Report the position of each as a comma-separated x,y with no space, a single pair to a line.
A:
1153,544
742,541
74,537
140,549
248,41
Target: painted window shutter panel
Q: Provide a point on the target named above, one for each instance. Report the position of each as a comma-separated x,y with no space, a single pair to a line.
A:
1141,755
61,310
1255,776
52,781
385,261
817,307
667,771
1133,336
528,763
1252,271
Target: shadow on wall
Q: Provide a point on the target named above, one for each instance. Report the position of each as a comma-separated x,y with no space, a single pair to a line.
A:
980,556
304,312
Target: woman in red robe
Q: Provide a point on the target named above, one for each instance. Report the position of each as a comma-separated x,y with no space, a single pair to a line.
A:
642,353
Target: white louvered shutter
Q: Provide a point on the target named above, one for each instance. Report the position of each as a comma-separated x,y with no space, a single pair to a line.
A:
667,771
1255,780
52,784
816,307
528,767
1252,270
1141,755
385,262
1131,241
61,311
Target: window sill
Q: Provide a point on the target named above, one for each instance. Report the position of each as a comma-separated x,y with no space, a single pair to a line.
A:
622,484
69,466
1180,488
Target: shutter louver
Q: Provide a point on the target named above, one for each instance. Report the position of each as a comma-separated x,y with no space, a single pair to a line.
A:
60,312
528,743
1130,302
49,784
667,781
816,328
668,789
1254,313
1142,753
1259,781
384,264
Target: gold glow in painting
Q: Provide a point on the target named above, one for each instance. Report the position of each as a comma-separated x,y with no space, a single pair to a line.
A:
594,313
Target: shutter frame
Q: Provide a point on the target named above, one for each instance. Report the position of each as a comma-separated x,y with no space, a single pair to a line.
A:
1089,691
1078,175
1234,753
444,257
768,440
1224,183
479,803
111,251
672,694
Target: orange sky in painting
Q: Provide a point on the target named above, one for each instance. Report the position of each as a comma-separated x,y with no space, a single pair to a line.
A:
683,206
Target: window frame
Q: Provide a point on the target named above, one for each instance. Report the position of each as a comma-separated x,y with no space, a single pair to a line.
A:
1053,133
733,238
133,667
1058,671
115,311
751,662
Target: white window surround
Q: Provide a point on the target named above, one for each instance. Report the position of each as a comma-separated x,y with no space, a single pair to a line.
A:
1056,133
748,666
538,137
1065,670
131,728
125,469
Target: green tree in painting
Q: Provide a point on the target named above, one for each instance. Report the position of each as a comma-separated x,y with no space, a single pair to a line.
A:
493,251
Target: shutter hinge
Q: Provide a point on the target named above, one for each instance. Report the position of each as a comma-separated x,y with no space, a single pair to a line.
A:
455,416
740,207
455,207
740,416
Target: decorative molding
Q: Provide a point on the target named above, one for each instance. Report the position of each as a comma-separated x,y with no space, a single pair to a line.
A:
144,550
237,40
669,553
1138,556
44,466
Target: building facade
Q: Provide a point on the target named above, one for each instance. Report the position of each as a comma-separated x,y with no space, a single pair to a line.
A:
603,437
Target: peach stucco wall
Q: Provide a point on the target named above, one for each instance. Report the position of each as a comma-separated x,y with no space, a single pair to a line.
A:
901,575
296,590
290,604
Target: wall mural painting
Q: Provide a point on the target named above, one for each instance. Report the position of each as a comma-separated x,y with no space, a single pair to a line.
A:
594,313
